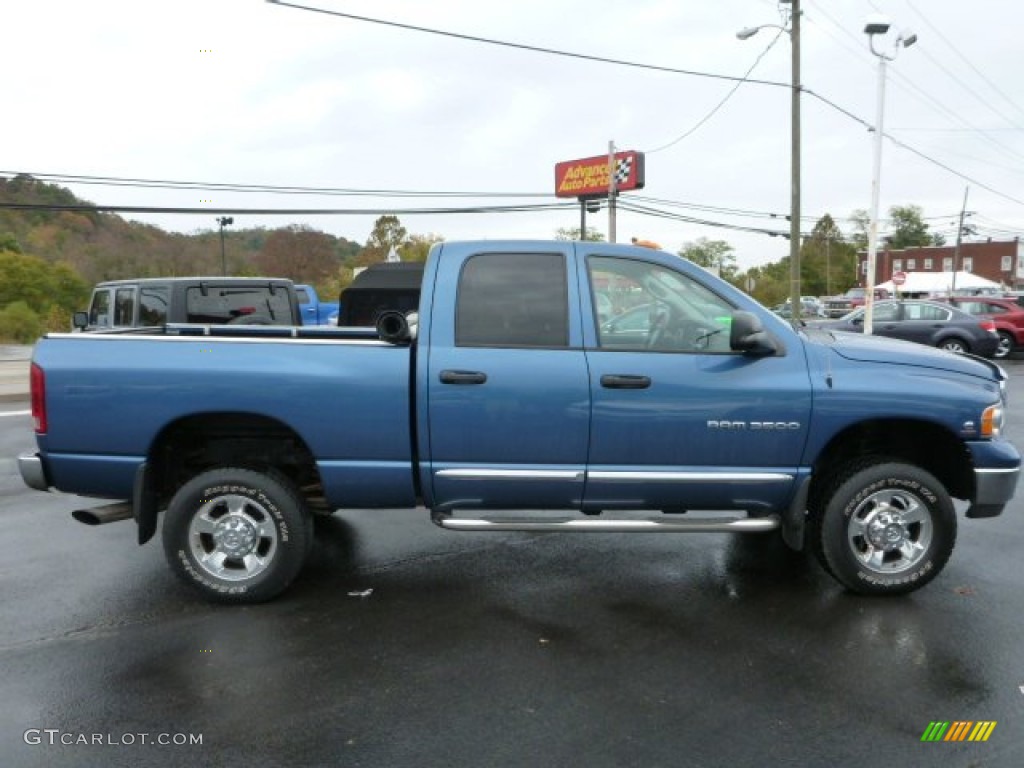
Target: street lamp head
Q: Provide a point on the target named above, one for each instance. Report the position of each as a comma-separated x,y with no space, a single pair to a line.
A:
747,32
909,40
877,25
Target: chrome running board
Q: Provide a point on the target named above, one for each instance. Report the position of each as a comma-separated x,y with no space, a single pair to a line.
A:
608,525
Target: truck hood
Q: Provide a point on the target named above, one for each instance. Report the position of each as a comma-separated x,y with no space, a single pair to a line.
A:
879,349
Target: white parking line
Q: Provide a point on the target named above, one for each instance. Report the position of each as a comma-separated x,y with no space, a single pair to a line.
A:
15,413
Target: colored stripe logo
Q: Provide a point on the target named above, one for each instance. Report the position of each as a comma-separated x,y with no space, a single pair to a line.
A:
959,730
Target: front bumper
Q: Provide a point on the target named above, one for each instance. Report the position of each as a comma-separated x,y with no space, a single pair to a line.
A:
997,469
33,471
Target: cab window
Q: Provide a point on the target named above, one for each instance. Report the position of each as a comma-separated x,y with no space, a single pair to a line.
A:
124,306
656,308
99,311
513,300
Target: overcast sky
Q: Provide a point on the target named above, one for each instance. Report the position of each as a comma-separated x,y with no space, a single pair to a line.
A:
247,92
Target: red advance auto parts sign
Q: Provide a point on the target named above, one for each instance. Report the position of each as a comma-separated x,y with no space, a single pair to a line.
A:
589,177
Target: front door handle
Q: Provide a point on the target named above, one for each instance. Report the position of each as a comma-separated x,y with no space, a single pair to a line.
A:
625,381
463,377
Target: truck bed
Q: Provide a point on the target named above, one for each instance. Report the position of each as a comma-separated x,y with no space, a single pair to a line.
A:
344,394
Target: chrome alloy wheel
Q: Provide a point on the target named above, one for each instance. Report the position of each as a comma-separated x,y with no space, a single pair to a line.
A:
890,531
233,538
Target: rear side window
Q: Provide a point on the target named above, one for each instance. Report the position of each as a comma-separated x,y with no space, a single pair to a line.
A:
242,305
928,312
153,302
513,300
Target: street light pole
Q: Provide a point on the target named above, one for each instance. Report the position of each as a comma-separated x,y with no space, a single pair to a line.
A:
794,151
223,221
794,155
877,26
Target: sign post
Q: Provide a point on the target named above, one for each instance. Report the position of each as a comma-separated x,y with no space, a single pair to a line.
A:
898,279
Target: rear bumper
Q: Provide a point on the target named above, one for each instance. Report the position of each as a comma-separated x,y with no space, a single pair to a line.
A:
33,471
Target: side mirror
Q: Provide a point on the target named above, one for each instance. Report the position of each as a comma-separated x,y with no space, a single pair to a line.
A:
858,320
80,320
747,335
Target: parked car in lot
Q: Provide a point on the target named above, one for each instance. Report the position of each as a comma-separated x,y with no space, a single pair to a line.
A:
1006,313
839,306
809,307
926,322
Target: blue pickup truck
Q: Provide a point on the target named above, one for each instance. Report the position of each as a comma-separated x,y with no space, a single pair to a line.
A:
541,386
314,311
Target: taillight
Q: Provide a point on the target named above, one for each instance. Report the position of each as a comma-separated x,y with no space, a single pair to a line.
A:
37,384
987,325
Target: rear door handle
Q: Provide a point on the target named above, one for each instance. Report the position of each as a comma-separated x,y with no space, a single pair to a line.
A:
463,377
624,381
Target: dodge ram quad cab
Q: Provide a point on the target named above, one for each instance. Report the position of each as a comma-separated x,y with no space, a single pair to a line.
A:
508,403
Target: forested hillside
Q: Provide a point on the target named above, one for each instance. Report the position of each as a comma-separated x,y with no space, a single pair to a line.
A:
50,258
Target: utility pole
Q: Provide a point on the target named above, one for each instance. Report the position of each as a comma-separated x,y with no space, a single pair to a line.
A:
611,191
959,236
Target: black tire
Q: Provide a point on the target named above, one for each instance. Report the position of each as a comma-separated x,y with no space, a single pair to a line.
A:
884,528
954,344
237,535
1006,345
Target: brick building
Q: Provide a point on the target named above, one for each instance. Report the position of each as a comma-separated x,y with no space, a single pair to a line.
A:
999,261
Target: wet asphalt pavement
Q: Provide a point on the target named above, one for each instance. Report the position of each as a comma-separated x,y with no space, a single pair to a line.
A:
404,645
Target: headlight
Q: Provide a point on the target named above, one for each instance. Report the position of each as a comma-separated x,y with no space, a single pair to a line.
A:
992,421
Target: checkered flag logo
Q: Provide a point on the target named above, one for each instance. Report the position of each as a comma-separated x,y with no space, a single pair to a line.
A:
623,168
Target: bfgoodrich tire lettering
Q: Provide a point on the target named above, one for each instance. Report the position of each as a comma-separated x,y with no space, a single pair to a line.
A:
237,535
886,528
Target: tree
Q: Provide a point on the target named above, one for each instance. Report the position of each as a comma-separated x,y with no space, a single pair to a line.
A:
573,233
20,324
828,264
906,228
417,247
909,229
715,255
39,285
9,242
387,233
299,252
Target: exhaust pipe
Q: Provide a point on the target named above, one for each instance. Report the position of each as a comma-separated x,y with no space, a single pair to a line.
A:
101,515
396,327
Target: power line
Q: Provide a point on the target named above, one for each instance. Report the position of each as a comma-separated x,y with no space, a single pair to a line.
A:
276,189
524,47
721,103
966,61
115,208
657,68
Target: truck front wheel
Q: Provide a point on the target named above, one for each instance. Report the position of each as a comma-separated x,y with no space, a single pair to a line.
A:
883,528
237,535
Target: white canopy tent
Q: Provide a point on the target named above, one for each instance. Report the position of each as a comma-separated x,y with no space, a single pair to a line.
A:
940,283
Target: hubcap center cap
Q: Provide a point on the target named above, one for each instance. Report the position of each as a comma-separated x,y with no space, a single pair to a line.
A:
886,531
235,536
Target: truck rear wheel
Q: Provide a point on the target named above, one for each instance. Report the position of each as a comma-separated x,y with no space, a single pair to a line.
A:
237,535
883,528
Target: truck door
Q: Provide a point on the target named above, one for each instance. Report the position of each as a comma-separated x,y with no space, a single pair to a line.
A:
506,382
680,421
